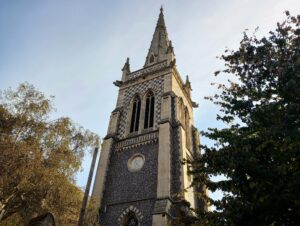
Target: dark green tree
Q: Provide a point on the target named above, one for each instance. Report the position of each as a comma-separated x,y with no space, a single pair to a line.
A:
258,149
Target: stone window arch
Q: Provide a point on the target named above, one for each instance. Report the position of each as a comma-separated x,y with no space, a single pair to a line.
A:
130,220
130,216
149,110
135,115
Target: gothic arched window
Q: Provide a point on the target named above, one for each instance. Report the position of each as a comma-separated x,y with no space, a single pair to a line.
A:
135,116
131,220
149,111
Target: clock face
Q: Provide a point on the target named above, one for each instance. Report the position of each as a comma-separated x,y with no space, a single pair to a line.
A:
136,162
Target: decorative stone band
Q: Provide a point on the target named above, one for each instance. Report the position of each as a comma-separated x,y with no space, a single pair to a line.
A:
133,142
133,209
151,69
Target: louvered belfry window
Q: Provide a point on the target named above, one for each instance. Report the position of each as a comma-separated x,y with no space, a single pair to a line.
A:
149,111
135,116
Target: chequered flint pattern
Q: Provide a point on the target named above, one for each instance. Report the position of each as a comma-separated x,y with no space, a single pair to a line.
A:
156,85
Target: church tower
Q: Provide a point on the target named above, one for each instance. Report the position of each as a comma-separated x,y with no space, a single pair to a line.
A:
140,175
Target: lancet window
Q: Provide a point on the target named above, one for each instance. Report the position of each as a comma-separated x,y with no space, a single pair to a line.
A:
135,116
149,111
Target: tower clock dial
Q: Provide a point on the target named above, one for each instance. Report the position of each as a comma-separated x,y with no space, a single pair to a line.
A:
136,162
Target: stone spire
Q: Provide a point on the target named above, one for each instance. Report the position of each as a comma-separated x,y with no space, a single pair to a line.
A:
161,48
125,70
126,66
187,86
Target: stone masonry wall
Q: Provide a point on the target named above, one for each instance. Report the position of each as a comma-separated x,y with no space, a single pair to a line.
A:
156,85
124,188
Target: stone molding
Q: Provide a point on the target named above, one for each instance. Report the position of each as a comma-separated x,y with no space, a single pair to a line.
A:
148,70
133,209
162,206
137,141
161,215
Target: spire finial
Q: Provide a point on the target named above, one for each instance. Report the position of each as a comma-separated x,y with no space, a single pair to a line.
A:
161,9
187,78
161,21
187,82
126,66
187,86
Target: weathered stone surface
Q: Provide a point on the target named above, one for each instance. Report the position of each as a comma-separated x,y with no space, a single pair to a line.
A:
130,188
156,85
150,192
137,141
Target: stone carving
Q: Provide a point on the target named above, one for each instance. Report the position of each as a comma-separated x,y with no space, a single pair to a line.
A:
148,70
137,141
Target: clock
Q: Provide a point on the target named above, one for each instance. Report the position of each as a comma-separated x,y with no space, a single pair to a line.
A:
136,162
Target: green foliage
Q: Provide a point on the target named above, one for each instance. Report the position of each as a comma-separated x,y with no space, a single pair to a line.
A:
39,158
258,150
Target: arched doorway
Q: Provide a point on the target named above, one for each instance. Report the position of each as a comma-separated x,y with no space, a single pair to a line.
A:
130,220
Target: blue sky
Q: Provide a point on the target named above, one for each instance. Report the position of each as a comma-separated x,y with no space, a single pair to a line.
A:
75,49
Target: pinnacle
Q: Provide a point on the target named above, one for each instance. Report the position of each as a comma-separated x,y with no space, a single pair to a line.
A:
187,82
161,21
126,66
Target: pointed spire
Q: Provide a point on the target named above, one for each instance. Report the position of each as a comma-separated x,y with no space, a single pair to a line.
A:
161,21
126,66
187,86
160,45
125,70
187,82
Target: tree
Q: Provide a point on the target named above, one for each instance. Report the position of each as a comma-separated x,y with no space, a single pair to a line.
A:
92,213
258,149
39,157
